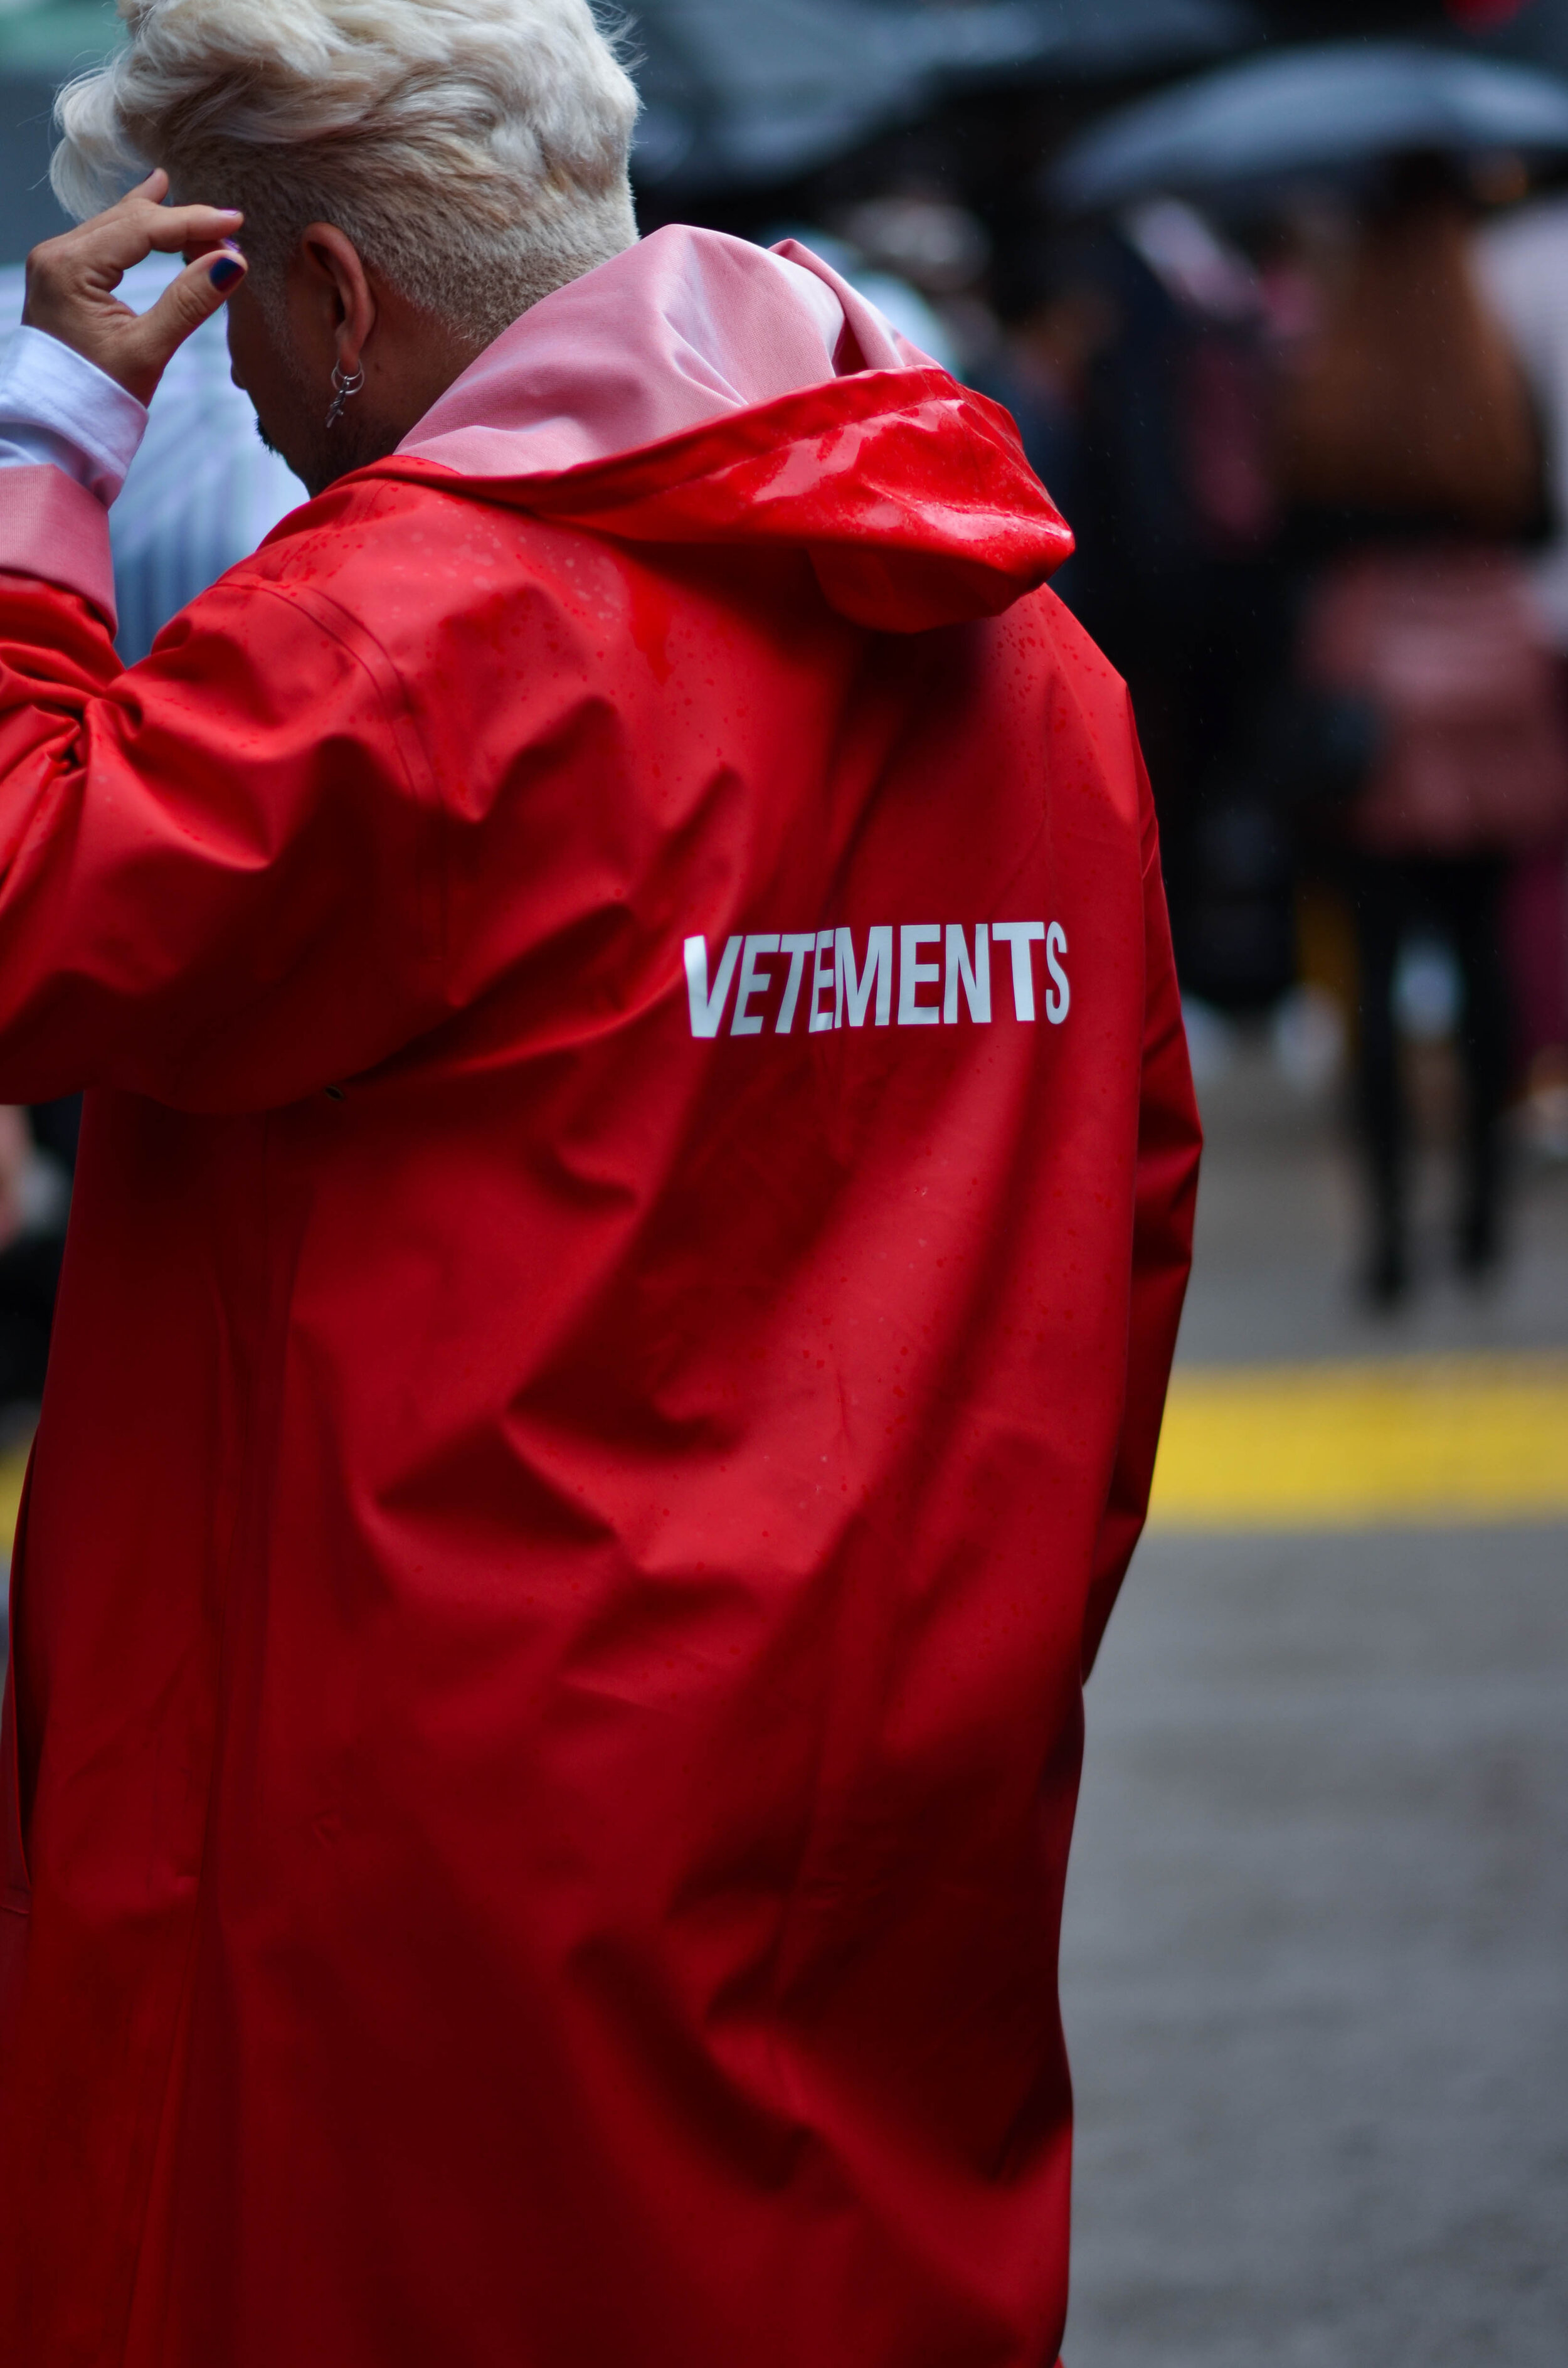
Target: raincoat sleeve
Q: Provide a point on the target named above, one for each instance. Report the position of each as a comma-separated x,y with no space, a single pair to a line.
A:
1165,1191
216,867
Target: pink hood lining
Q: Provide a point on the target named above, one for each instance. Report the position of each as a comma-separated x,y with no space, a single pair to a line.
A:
682,329
697,388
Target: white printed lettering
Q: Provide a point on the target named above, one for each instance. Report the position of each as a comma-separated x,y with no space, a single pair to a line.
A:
852,995
838,992
708,1010
976,981
914,973
753,980
1058,998
824,981
1020,936
797,948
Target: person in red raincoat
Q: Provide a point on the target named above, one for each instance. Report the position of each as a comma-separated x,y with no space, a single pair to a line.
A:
634,1206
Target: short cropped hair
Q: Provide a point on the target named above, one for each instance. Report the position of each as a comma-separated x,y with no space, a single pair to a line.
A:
474,151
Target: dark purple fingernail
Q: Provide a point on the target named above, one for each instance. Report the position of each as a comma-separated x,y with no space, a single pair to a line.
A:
226,271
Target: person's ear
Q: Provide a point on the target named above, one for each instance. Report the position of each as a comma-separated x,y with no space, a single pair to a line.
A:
332,260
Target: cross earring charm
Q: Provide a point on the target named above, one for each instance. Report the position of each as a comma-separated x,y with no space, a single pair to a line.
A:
342,389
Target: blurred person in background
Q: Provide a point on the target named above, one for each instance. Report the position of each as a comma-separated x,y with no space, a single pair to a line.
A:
1522,257
634,1201
914,238
1056,317
1178,575
1409,446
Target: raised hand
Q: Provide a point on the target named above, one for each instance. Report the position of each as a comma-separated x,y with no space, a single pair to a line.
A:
71,281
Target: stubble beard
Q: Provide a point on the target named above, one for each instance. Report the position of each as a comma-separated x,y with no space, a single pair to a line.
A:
352,441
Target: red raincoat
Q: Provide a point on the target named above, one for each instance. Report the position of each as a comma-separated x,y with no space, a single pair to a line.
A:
634,1206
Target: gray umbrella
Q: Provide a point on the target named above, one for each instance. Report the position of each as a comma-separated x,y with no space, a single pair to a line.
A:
753,91
1311,110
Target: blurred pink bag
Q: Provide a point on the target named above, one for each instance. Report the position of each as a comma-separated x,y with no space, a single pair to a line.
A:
1443,643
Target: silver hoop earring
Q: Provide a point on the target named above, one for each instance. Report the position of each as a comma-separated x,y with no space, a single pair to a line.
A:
342,389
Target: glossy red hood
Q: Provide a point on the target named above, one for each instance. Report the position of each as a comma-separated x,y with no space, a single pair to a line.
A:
699,389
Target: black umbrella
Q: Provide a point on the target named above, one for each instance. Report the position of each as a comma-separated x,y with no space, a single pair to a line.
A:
1311,110
753,91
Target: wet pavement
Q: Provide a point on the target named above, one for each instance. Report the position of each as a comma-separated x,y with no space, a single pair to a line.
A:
1315,1963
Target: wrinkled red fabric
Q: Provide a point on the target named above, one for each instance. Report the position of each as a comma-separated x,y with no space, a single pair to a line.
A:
573,1504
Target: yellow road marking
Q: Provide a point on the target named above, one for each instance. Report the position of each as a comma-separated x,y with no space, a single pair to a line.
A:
13,1470
1423,1440
1426,1439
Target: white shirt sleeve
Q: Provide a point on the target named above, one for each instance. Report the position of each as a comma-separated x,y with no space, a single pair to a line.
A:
57,406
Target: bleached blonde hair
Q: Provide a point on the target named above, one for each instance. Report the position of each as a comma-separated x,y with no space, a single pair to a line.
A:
474,151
